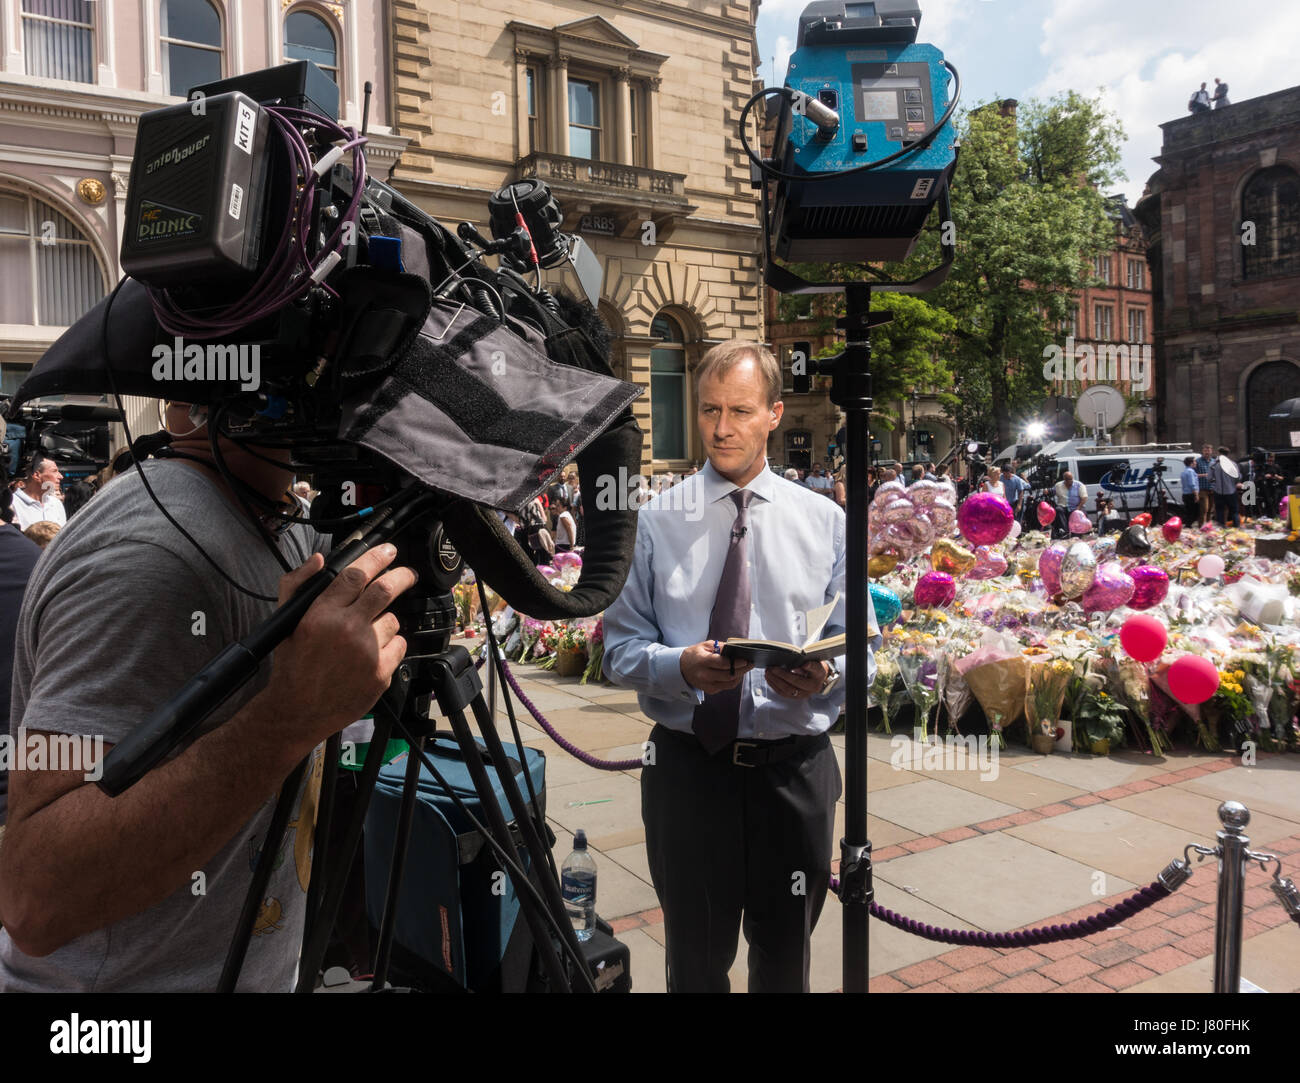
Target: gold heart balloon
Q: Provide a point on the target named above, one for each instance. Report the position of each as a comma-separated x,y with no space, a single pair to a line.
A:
881,564
950,558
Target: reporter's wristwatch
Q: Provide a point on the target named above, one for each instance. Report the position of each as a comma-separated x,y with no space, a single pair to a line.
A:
832,679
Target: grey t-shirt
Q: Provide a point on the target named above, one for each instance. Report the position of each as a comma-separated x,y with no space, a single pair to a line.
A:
122,611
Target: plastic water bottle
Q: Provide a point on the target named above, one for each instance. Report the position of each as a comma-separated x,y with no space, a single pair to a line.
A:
578,886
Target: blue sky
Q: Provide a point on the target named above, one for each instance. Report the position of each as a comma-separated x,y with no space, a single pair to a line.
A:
1144,56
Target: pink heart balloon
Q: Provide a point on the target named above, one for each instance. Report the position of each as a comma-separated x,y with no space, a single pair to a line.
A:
984,518
1046,514
1150,585
1172,529
934,589
1049,566
1111,588
1079,523
989,564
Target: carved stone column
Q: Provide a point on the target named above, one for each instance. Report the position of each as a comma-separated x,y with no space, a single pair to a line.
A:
559,68
623,114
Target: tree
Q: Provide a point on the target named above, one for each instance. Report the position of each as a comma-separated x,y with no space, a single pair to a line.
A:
1029,217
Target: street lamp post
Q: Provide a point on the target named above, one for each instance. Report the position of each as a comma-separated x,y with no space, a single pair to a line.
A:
915,442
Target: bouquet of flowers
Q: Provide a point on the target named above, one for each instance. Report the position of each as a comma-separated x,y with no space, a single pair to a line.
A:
882,688
1046,686
919,663
1135,691
956,692
996,674
595,650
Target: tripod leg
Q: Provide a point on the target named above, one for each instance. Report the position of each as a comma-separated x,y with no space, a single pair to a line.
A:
315,946
261,877
320,839
524,818
388,923
501,832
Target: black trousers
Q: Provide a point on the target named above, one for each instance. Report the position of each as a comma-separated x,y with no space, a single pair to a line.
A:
1191,508
1225,509
726,841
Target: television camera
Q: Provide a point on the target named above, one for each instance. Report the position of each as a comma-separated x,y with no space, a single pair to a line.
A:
300,305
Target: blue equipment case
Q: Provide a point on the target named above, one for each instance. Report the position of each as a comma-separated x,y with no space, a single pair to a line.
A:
454,918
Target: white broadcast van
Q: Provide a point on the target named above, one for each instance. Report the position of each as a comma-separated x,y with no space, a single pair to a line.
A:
1097,468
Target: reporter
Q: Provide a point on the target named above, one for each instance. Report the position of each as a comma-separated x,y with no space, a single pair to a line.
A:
142,892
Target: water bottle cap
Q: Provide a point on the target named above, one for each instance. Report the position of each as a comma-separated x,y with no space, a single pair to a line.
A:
580,840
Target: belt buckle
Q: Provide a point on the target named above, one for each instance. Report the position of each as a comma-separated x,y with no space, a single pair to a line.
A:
735,753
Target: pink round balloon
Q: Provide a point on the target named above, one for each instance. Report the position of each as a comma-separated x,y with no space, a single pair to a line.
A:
1193,679
563,560
1111,588
989,564
1079,523
935,589
1143,637
943,513
923,493
1150,585
984,518
1049,566
898,511
887,491
1211,566
1046,514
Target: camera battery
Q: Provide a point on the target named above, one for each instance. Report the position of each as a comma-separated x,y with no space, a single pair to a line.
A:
194,209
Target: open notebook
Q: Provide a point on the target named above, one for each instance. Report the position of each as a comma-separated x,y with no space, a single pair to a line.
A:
771,652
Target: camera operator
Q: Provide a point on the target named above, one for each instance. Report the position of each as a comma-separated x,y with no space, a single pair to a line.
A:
142,892
37,499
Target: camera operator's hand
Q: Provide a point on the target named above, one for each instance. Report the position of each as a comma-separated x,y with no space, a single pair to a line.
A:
342,655
709,671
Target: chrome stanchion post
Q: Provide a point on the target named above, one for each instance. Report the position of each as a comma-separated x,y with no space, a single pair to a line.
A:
1233,845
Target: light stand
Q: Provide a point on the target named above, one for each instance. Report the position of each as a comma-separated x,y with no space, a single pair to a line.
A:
850,373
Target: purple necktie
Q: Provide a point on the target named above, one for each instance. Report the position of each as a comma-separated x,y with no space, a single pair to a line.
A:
716,719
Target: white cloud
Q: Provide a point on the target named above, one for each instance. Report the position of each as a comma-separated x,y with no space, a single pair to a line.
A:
1149,57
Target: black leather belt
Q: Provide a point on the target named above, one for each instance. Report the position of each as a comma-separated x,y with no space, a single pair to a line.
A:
756,753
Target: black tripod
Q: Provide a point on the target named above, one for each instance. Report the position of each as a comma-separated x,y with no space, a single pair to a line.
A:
1158,498
431,670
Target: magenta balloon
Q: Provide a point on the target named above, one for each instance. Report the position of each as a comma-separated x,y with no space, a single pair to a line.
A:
989,564
1111,588
935,589
1046,514
984,518
1049,566
1150,585
1143,637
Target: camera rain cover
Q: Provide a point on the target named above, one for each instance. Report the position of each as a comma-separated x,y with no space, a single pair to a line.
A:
470,407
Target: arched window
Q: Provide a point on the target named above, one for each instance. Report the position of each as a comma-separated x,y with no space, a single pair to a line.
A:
191,37
1271,201
308,37
51,274
668,418
50,271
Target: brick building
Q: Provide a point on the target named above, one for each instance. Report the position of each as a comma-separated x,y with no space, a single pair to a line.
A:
629,114
1117,313
1222,220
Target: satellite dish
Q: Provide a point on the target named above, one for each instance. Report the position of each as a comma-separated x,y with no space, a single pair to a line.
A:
1100,407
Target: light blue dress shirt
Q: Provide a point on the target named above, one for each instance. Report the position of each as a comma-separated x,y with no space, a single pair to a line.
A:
797,562
1189,481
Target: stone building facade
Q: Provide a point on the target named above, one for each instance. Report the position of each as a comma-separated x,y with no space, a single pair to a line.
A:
1222,219
629,112
77,75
